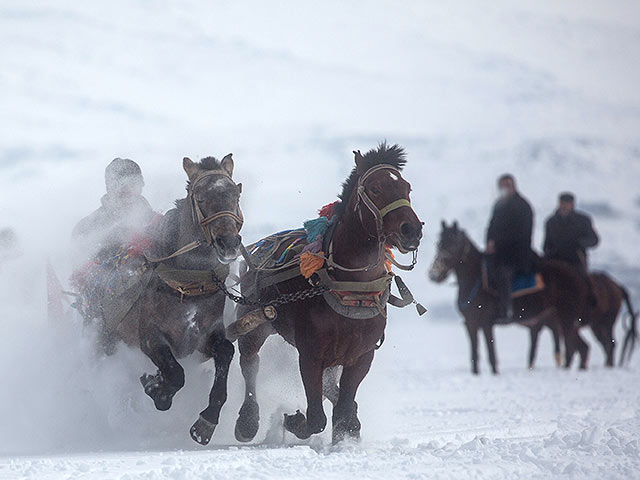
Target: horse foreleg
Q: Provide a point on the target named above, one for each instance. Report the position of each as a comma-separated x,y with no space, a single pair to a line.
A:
315,421
222,351
345,413
488,336
583,350
570,333
249,345
472,330
163,385
534,332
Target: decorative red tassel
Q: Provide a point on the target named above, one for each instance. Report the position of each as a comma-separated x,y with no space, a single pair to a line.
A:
327,210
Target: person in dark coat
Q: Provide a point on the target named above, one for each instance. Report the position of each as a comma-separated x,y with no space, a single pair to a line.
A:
568,234
509,241
123,213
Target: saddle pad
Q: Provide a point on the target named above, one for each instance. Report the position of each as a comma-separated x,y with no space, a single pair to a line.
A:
264,253
523,284
527,284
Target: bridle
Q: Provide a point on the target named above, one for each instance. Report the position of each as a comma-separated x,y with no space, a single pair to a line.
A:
198,215
378,215
443,257
364,199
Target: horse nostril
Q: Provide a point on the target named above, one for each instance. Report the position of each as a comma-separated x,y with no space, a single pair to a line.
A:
406,229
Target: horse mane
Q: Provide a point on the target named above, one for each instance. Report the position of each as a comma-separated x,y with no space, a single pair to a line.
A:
209,163
393,155
206,163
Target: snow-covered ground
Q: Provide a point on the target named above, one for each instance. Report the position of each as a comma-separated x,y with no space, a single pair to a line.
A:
547,91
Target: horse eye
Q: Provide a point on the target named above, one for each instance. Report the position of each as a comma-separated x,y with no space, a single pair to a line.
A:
375,190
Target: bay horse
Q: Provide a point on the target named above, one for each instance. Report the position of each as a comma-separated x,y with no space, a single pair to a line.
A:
559,305
374,212
179,310
601,317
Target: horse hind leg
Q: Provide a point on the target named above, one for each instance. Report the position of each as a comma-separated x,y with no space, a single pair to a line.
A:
570,334
249,345
557,353
533,348
221,350
169,379
491,350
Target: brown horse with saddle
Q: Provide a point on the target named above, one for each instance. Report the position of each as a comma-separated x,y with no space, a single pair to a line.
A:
561,301
165,296
326,293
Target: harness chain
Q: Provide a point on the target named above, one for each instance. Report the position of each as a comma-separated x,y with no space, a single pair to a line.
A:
276,302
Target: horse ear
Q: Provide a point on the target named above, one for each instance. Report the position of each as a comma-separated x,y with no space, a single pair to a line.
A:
190,167
359,162
443,224
227,164
455,225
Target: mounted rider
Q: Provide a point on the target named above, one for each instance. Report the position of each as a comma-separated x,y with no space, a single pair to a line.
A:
509,241
568,234
123,214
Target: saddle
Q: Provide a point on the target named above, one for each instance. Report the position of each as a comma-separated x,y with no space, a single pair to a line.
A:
523,284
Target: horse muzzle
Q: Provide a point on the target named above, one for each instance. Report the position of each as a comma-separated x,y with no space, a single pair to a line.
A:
227,247
437,272
409,238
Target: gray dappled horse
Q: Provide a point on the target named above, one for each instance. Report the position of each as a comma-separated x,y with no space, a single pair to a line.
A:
179,308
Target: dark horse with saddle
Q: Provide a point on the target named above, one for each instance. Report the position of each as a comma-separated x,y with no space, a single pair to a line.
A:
324,288
558,297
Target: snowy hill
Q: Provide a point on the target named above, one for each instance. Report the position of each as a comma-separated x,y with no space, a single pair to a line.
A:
547,91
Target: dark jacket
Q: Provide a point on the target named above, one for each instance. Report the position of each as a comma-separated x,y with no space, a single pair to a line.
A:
510,229
568,237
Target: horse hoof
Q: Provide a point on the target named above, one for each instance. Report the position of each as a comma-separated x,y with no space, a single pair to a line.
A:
296,424
202,431
558,359
155,388
248,421
346,431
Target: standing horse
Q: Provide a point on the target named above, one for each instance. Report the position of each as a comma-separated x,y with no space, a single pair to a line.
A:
178,307
562,299
374,212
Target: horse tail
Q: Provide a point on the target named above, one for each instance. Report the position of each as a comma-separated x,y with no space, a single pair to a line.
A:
631,334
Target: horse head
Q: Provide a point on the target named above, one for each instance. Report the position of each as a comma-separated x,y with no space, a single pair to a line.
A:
381,199
451,251
215,204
